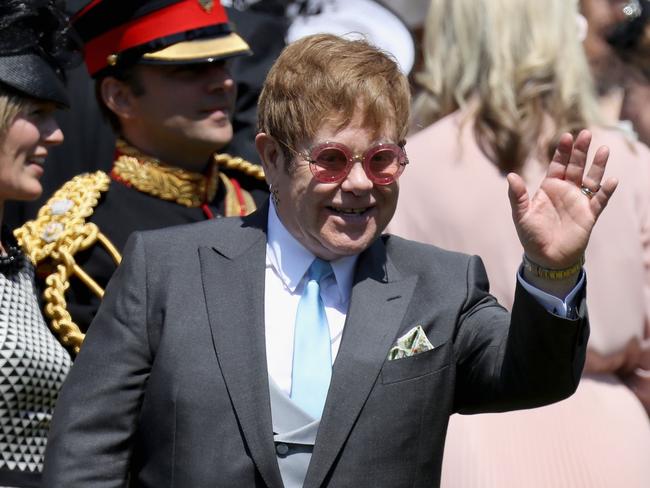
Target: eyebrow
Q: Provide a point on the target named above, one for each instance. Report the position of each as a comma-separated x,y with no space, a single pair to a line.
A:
373,143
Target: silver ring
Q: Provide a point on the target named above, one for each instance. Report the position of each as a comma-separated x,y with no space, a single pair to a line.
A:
588,192
632,9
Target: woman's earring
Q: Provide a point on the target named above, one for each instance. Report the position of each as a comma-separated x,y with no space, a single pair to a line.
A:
274,195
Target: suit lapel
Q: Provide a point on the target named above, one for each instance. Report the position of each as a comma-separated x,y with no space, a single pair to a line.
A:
378,303
233,283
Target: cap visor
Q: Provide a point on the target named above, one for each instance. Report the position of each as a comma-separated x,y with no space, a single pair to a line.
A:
200,50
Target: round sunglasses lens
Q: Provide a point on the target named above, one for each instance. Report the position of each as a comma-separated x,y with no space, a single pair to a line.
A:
384,164
330,163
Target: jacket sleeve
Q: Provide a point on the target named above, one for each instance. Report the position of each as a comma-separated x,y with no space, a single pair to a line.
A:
89,445
523,360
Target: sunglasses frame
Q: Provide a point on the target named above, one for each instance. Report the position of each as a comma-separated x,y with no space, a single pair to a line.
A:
312,153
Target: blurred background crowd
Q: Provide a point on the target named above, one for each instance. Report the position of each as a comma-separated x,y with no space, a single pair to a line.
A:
494,83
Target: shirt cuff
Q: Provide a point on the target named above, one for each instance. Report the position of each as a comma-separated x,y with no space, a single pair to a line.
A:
566,308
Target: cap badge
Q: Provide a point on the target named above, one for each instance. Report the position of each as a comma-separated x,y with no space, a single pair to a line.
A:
207,5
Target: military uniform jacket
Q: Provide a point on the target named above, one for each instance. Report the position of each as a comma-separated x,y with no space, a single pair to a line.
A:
104,210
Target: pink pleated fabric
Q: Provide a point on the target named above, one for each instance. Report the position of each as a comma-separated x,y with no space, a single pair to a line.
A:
599,438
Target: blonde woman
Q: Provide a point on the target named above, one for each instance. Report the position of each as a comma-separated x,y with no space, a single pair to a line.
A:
502,80
32,363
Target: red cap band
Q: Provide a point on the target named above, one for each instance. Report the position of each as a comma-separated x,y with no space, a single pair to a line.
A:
176,18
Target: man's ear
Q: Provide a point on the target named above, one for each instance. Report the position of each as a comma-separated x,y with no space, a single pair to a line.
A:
270,154
118,97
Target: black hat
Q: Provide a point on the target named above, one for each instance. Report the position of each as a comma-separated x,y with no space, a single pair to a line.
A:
35,47
120,32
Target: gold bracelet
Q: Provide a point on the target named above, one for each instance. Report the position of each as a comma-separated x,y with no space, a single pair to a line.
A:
552,274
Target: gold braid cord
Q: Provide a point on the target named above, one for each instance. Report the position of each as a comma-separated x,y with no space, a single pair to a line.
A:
239,164
59,232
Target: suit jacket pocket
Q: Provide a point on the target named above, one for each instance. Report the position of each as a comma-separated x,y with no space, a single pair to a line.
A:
415,366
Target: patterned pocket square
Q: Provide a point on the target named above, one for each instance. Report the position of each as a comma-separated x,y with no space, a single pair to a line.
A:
413,342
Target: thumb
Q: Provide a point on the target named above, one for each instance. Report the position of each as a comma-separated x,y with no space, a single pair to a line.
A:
518,196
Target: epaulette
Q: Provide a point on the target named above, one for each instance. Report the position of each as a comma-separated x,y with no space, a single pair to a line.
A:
52,240
238,201
236,163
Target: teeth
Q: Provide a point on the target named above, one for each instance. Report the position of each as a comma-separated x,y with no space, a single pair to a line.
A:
39,161
356,211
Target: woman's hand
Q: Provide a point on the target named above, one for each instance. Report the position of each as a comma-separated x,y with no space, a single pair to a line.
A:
631,364
639,378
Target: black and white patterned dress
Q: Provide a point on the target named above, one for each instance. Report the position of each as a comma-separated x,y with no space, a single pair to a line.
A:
33,365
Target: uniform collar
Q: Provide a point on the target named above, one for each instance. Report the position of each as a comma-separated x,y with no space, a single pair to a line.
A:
149,175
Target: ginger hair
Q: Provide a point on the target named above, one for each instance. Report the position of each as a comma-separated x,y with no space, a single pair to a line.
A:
324,77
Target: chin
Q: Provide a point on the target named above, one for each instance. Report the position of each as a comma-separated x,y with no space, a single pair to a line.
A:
217,143
31,190
340,250
222,135
22,196
31,196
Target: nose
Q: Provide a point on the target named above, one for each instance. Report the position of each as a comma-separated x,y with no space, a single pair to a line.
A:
357,181
51,133
219,78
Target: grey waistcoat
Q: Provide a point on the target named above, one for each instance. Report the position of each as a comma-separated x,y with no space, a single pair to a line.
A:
294,434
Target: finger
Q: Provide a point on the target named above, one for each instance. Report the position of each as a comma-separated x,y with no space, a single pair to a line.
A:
518,195
597,170
557,168
599,363
576,167
601,198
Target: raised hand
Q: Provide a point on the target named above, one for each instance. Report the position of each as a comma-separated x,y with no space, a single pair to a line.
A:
554,226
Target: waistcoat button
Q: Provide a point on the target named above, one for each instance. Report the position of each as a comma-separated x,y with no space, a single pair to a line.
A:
282,449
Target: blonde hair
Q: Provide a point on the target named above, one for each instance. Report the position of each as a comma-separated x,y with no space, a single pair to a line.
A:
10,106
521,60
327,78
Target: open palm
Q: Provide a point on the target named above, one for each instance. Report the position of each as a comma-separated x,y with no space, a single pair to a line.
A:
554,226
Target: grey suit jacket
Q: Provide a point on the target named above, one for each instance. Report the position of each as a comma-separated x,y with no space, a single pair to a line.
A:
171,386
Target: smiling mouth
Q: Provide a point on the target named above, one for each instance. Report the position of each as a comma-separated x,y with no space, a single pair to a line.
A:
350,211
40,161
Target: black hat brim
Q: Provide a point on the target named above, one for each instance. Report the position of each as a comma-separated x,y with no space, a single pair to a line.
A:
32,76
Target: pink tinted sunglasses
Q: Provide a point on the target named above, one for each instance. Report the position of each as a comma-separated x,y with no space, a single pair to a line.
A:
331,162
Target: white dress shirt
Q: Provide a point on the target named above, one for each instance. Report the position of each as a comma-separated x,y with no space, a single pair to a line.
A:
287,262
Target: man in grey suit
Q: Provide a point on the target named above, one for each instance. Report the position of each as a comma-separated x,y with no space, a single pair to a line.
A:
300,347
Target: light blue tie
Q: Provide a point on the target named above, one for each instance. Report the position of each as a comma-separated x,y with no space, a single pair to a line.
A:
312,354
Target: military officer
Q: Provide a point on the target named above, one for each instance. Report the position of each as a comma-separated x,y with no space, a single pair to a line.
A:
162,78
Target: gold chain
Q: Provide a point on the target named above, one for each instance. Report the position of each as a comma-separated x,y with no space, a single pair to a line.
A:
60,231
